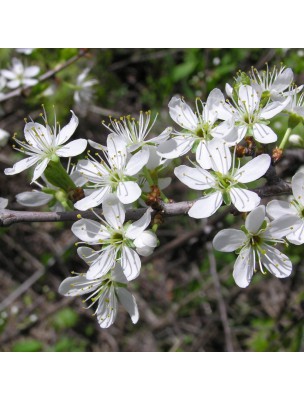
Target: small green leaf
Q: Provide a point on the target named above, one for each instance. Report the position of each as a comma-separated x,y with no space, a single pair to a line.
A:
27,345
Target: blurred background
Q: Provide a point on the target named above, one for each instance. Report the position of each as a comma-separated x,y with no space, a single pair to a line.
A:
187,298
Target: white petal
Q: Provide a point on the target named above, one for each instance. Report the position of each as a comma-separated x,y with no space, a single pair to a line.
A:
147,238
176,147
37,135
297,185
263,134
4,136
113,211
182,114
8,74
107,308
89,231
281,227
87,254
73,148
283,80
162,137
229,240
297,237
78,178
3,203
117,150
137,228
226,131
21,165
95,172
76,286
130,263
220,156
194,178
96,145
228,90
214,100
277,208
13,84
129,303
154,159
67,131
39,169
29,72
276,262
255,219
128,192
244,200
33,199
93,200
102,264
254,169
244,267
248,98
273,109
29,82
206,206
137,162
117,274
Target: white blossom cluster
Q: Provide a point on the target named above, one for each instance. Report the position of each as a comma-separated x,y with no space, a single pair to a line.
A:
129,172
18,75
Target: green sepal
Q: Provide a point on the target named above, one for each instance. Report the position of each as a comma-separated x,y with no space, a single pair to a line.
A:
265,98
57,176
226,198
195,146
294,120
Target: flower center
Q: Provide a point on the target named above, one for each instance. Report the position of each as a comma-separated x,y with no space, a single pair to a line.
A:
202,131
117,238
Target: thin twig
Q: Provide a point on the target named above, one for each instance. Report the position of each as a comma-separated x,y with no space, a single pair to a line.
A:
49,74
220,299
9,217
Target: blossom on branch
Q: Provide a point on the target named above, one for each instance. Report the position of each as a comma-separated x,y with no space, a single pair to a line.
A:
44,144
255,245
198,128
117,239
19,75
295,207
224,183
106,291
115,175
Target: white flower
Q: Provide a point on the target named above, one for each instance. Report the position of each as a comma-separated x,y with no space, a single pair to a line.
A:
278,208
4,136
107,290
134,133
44,144
84,92
3,203
256,246
250,116
199,128
273,84
117,240
295,107
20,75
223,183
114,176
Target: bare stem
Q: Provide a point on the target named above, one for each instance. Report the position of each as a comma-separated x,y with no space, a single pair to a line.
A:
9,217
